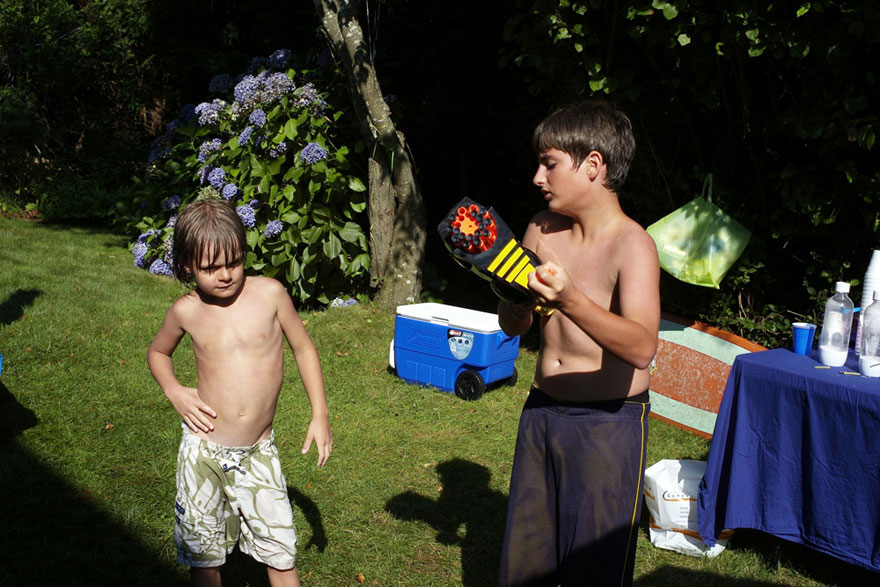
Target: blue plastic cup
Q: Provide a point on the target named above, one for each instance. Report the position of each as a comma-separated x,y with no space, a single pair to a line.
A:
803,337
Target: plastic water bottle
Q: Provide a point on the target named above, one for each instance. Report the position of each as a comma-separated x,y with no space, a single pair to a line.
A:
870,283
836,327
869,360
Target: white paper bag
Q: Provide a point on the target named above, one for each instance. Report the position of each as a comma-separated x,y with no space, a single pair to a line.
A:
671,488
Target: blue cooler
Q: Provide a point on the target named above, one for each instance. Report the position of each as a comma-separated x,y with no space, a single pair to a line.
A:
452,349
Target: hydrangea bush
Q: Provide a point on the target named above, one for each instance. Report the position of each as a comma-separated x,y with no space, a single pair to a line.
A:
266,141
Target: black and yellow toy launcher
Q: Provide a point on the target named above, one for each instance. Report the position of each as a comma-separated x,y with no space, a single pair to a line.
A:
480,241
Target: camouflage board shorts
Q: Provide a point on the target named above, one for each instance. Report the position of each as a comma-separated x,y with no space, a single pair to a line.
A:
228,496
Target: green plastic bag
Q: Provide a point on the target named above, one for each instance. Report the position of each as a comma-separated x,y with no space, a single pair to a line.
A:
699,242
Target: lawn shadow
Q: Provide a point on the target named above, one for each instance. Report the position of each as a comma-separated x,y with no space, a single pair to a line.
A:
465,500
12,308
670,575
14,417
52,533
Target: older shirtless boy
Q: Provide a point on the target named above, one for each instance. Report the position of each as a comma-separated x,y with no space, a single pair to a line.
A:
230,488
576,485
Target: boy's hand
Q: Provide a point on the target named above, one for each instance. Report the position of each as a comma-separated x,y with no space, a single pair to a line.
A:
195,413
550,284
319,432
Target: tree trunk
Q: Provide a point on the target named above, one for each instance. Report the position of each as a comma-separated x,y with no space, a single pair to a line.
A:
396,210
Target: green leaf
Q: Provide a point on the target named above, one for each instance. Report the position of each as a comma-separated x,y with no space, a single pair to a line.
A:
361,261
252,238
290,129
332,246
351,232
356,185
805,8
684,39
290,218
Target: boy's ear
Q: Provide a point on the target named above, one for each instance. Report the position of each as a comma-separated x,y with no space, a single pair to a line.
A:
593,163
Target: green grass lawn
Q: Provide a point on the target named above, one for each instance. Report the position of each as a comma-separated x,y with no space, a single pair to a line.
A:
414,494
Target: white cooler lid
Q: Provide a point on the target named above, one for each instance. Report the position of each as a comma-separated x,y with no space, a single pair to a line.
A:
452,316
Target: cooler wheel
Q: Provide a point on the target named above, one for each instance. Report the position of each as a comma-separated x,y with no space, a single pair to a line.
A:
513,378
469,385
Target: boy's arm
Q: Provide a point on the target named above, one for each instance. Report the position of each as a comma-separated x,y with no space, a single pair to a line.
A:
515,319
309,365
186,400
631,335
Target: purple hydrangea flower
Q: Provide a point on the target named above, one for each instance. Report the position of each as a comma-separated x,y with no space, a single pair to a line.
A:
220,84
171,221
279,58
171,203
246,213
208,147
312,153
143,238
273,229
160,267
279,150
209,112
255,204
245,137
258,118
307,96
216,178
140,250
247,91
275,86
229,191
340,303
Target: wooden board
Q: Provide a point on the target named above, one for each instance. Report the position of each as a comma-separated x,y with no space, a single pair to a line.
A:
690,370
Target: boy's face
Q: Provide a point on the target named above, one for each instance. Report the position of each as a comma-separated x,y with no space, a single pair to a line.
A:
219,278
561,184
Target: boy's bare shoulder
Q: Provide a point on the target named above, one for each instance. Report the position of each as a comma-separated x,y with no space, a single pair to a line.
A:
185,305
547,222
265,285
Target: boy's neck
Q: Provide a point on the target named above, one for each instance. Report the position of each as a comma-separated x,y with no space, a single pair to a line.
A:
600,212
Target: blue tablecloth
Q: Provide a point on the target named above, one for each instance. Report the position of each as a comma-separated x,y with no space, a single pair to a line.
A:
796,454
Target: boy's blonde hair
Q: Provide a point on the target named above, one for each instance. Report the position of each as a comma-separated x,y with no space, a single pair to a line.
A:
592,125
206,227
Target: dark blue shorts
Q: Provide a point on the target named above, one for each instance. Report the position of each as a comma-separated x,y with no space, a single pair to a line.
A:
575,492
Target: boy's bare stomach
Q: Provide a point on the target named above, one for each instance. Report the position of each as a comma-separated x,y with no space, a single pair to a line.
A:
244,412
567,377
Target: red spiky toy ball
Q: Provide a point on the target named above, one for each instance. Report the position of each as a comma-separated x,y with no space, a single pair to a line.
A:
472,229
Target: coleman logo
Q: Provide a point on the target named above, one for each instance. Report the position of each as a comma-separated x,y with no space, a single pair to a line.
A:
454,333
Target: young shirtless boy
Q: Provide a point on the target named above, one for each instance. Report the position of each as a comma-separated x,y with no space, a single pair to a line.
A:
576,485
230,488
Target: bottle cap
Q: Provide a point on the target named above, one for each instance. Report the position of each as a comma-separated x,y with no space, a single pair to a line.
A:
841,287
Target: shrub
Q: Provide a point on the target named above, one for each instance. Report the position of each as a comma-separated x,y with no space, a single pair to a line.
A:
265,141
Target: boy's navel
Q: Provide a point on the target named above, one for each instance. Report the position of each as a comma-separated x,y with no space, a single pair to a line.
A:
242,413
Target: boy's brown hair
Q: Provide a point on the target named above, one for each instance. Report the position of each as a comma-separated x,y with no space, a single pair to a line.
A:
592,125
206,227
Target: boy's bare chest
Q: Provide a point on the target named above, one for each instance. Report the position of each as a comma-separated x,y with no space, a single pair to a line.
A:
592,269
226,331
